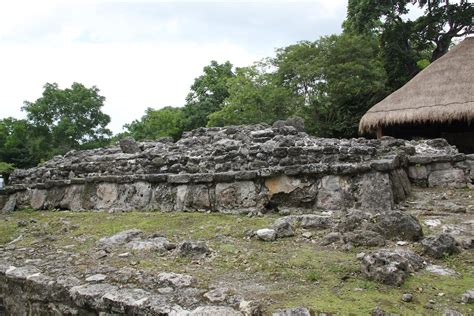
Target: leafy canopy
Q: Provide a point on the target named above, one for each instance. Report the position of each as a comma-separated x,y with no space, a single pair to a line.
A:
207,94
70,118
154,124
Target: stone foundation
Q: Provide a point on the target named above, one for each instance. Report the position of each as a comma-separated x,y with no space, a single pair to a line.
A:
239,169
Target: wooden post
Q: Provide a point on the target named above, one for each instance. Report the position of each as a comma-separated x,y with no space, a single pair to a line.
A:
378,132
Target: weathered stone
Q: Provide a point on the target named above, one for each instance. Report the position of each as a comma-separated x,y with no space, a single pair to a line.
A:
334,193
375,191
120,238
468,297
158,244
126,300
96,278
364,238
21,273
175,279
236,196
10,205
407,297
193,248
331,238
296,122
194,197
129,146
282,184
72,199
396,225
306,221
91,295
218,295
297,311
355,219
447,178
401,187
440,245
250,308
38,197
243,168
438,270
266,234
214,310
283,229
390,267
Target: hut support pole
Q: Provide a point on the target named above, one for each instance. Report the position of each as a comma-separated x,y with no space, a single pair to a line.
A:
378,132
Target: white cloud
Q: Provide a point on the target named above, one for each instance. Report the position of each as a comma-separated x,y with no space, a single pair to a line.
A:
139,55
132,77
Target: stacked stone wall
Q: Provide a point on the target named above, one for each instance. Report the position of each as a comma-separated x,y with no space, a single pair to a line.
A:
239,169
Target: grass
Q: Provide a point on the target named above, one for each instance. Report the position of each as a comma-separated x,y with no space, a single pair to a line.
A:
292,271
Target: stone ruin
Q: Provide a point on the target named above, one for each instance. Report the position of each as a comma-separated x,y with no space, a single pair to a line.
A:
245,169
237,170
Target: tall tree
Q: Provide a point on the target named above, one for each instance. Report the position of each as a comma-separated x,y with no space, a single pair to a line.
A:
70,118
20,145
254,97
207,94
157,123
406,42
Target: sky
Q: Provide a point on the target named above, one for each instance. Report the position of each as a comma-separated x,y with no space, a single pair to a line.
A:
143,54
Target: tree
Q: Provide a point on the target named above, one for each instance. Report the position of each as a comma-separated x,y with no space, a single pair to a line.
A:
299,68
404,42
338,77
5,170
70,119
157,123
354,80
207,95
254,97
19,145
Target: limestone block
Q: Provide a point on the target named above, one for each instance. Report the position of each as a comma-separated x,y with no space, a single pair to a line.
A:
38,197
163,198
107,194
333,193
447,178
193,197
417,172
375,191
236,195
282,184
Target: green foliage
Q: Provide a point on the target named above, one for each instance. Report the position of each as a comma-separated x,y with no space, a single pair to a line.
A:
6,169
254,97
69,119
157,123
19,145
405,42
337,77
354,81
207,95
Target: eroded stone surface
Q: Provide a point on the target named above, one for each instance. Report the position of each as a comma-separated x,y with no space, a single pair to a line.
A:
238,169
390,266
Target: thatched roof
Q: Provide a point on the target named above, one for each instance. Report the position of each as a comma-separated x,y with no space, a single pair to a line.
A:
442,92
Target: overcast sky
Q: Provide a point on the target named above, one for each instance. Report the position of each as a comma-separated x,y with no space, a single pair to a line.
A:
143,53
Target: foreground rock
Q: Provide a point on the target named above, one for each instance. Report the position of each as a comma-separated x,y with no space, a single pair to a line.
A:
440,246
390,267
193,249
468,297
397,225
120,238
298,311
266,234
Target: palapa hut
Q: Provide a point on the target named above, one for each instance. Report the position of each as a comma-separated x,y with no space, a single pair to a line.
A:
438,102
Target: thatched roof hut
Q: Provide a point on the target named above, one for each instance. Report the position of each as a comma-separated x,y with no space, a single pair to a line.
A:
440,94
